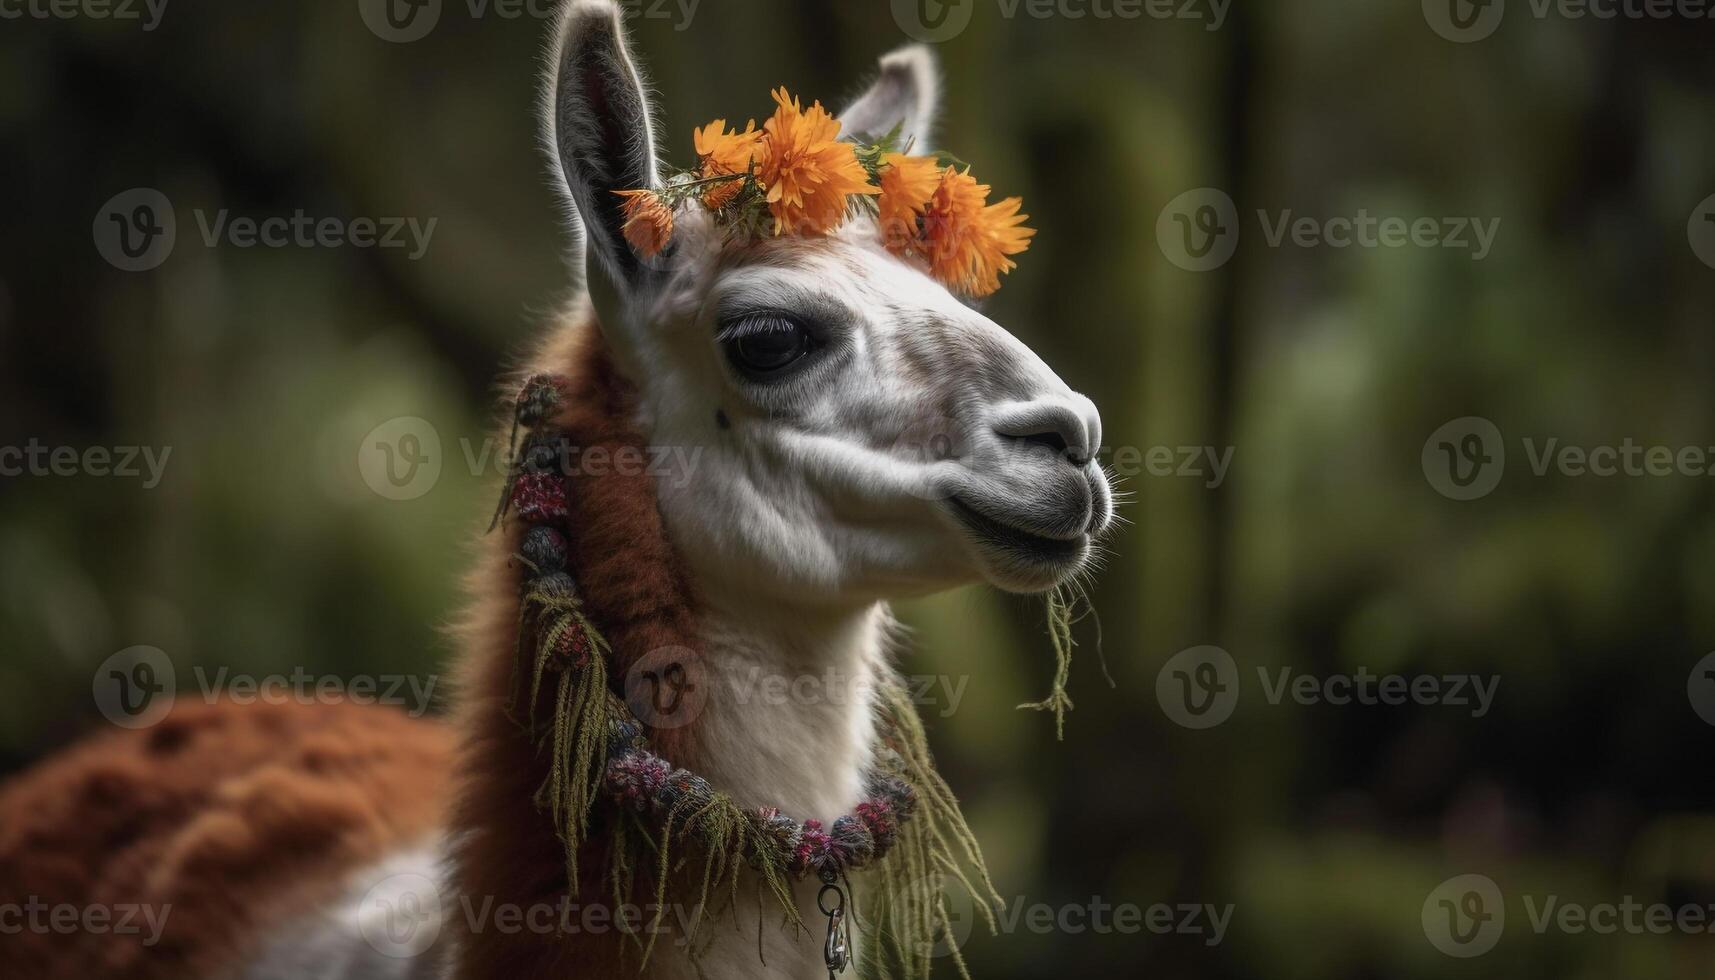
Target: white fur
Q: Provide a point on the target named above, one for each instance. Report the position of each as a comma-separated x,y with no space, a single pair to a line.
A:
348,938
812,502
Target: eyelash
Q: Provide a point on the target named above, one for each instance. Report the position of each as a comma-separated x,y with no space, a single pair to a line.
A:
755,322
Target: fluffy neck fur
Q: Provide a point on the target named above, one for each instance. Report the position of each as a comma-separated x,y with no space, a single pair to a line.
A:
786,721
789,719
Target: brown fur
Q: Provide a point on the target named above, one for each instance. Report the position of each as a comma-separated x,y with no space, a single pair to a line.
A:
243,817
235,816
636,591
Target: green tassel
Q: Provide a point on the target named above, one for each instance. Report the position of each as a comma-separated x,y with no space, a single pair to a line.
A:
1063,614
909,912
583,709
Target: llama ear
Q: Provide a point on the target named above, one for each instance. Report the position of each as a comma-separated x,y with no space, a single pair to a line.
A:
905,94
599,128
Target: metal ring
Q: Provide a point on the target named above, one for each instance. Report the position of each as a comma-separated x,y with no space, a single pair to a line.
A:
823,894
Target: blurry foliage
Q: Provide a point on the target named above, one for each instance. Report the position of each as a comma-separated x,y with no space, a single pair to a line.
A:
1324,550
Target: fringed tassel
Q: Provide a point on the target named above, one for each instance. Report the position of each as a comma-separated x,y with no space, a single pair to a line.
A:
910,907
1063,614
697,823
577,740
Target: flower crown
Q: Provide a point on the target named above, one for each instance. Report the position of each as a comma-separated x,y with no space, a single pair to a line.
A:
797,176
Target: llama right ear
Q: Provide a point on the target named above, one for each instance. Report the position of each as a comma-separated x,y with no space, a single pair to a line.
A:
600,131
905,94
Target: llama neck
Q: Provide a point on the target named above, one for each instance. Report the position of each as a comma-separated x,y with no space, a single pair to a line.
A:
789,714
786,720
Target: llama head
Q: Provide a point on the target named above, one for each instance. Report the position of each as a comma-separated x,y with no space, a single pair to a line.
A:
852,431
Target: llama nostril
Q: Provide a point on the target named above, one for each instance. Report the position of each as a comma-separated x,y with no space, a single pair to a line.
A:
1049,425
1050,440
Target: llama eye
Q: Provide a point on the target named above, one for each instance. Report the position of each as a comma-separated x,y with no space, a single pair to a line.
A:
762,347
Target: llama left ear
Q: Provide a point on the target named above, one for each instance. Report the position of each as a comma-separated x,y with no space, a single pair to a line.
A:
905,95
600,130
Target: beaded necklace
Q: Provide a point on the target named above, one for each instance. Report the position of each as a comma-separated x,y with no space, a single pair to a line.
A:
599,752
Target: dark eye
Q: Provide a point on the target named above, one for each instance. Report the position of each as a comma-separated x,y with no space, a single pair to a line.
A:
764,347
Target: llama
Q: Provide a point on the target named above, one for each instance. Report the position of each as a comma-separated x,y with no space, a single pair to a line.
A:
272,832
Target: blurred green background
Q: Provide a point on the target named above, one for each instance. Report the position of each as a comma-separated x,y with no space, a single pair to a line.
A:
1325,549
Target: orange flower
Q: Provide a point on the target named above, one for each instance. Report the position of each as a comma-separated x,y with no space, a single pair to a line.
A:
966,239
809,173
907,184
724,152
648,222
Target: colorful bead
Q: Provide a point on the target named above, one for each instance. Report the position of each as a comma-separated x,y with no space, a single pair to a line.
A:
545,452
545,549
850,842
540,498
812,853
877,818
635,780
540,398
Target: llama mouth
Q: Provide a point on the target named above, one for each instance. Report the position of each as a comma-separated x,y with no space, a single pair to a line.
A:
1015,542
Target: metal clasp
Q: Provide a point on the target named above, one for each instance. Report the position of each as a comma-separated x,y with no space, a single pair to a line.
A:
836,951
